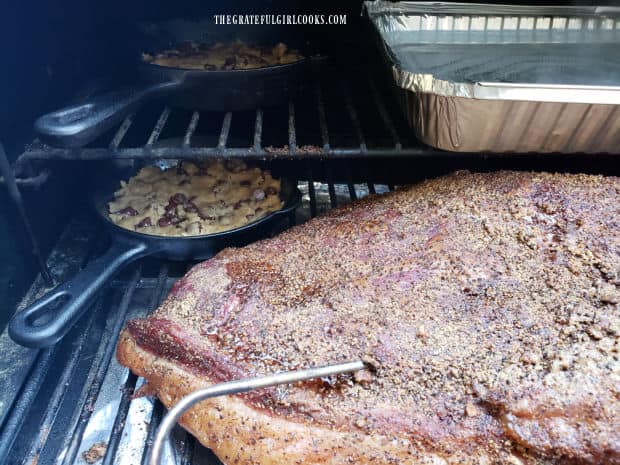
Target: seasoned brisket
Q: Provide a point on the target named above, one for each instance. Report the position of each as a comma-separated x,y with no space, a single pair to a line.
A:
485,305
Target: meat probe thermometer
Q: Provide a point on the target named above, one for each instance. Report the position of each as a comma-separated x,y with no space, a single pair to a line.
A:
236,387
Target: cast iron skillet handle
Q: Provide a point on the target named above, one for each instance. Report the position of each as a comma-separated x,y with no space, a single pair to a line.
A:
76,126
78,292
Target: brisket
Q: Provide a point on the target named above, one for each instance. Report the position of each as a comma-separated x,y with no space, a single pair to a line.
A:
486,307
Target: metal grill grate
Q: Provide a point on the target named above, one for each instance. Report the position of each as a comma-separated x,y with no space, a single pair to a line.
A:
63,400
367,115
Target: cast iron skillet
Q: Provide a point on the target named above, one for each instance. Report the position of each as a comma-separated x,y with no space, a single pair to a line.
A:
226,90
126,247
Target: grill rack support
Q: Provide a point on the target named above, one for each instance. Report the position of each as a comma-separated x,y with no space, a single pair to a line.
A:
16,196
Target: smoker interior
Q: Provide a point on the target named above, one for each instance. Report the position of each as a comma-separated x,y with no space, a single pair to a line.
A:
64,399
342,139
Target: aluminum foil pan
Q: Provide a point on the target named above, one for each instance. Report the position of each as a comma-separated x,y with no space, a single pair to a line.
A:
505,78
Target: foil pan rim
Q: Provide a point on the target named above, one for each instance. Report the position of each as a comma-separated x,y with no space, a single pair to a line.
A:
428,83
382,7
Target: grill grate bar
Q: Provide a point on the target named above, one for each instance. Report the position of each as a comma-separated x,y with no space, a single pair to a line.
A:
102,368
311,192
354,117
191,129
20,409
292,137
385,117
188,450
159,127
60,390
312,195
221,145
352,192
130,384
332,195
157,415
350,185
122,130
258,131
119,421
51,153
330,187
322,118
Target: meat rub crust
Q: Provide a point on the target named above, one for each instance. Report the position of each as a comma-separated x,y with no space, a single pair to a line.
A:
240,434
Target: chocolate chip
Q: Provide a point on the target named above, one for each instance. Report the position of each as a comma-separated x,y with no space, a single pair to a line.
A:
145,222
128,211
169,220
271,190
230,62
164,221
190,207
178,198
